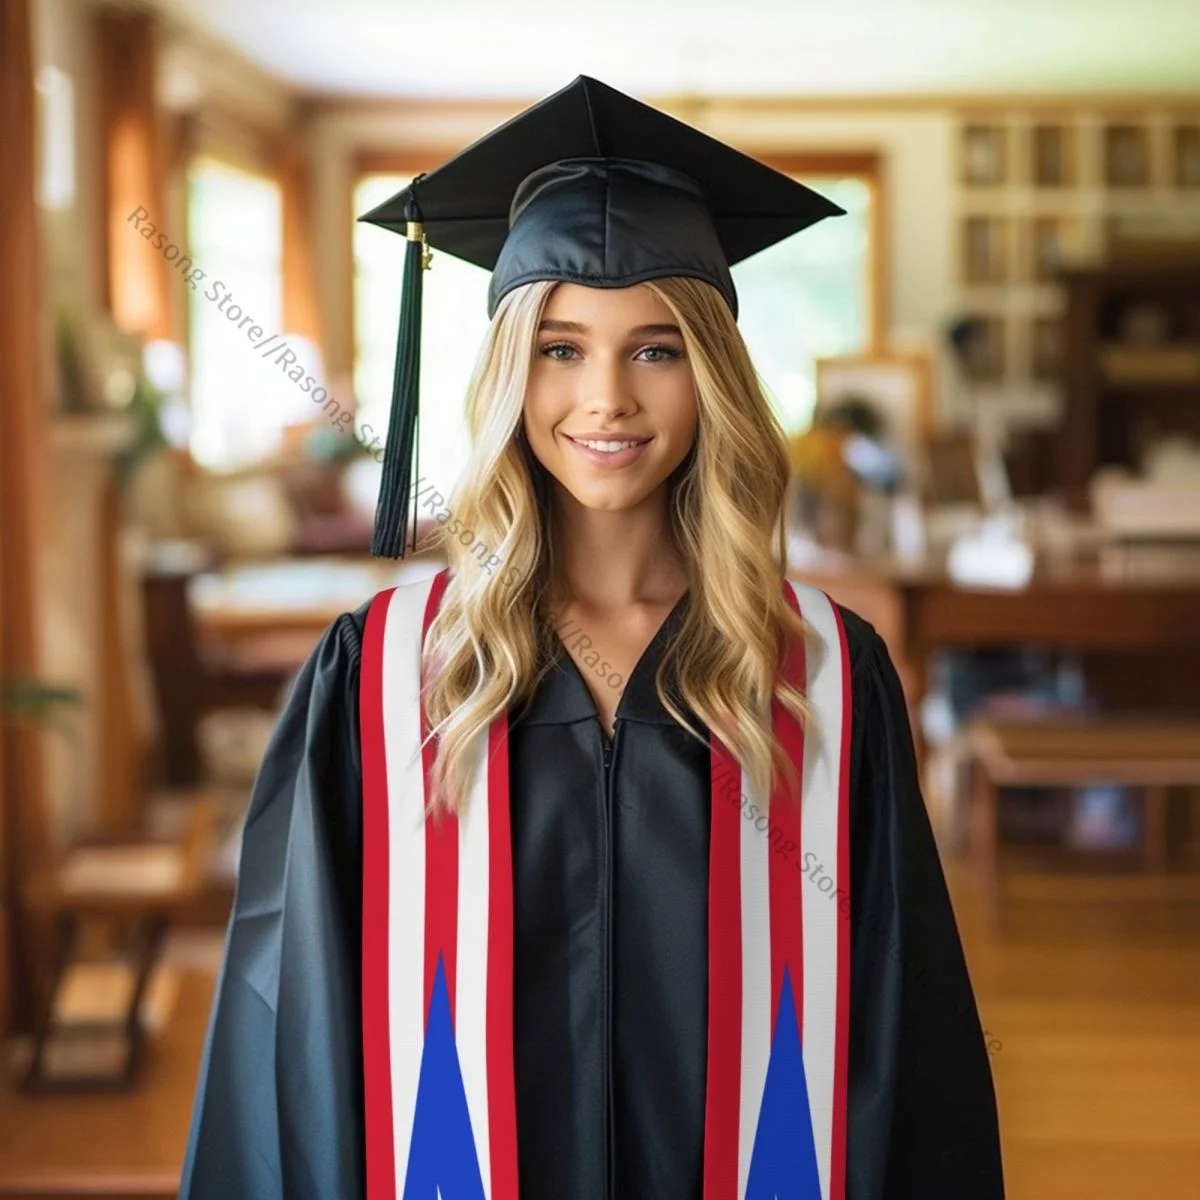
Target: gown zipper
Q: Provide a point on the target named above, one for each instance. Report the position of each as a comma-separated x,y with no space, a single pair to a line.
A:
607,962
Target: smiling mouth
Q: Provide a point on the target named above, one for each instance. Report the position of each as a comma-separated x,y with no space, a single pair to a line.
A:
608,445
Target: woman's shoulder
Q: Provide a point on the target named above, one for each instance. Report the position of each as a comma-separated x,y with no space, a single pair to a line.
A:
355,623
863,643
343,637
877,693
350,627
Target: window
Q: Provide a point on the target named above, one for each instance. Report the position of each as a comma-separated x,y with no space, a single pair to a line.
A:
808,296
56,97
239,401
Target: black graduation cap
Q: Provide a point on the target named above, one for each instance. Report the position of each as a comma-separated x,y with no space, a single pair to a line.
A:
589,186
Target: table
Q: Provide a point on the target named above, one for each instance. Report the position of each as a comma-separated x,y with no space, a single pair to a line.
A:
1147,754
294,595
232,637
918,609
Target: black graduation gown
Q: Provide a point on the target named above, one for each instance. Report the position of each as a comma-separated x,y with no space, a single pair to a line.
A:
611,897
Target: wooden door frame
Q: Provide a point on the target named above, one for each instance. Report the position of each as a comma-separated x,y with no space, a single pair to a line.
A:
867,166
23,440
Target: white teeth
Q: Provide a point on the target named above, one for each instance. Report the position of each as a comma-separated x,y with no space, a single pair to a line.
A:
607,447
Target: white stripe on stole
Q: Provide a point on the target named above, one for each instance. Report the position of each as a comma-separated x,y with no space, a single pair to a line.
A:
406,857
819,837
756,976
471,989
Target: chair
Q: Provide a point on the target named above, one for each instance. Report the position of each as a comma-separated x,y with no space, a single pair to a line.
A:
1148,753
192,680
89,1031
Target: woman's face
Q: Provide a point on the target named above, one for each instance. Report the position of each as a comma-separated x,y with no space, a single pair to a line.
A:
609,367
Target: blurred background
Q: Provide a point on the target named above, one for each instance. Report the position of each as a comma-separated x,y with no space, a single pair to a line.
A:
989,371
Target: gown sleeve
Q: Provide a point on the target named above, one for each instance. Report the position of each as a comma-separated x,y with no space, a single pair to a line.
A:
922,1107
278,1108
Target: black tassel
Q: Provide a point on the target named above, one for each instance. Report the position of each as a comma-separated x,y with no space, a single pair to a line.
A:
399,454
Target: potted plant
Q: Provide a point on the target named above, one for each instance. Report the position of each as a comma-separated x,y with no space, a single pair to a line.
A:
32,702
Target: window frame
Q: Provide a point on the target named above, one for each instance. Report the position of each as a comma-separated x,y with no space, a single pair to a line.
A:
866,167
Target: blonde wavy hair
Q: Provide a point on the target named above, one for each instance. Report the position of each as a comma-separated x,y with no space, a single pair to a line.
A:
493,637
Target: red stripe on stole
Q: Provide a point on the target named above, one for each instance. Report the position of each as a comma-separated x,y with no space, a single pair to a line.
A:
377,1053
837,1176
786,878
441,901
723,1100
502,1096
441,853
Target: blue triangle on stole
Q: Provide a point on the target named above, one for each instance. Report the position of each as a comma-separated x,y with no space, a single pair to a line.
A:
442,1163
783,1163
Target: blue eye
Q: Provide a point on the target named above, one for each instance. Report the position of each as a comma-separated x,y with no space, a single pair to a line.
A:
667,352
659,352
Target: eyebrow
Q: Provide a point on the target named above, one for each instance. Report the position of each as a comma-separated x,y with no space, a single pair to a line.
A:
552,326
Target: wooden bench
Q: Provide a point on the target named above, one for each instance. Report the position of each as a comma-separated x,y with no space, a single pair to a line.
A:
1150,754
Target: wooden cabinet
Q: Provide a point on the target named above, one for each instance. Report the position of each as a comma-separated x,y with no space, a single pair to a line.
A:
1131,364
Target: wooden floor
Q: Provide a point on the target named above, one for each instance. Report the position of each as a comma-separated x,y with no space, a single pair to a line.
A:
113,1146
1093,1007
1096,1008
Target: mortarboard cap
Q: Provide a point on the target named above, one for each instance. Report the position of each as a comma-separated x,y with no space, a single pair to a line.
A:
588,186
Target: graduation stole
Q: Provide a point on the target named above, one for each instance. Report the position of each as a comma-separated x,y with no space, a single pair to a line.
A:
441,1120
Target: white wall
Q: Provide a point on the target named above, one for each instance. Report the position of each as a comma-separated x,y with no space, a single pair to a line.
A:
915,149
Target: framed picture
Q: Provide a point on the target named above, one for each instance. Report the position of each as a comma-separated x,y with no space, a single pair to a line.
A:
983,155
1053,156
985,249
897,386
1126,156
1053,241
953,471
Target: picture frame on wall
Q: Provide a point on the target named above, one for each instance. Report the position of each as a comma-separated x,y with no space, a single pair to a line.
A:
1126,155
983,155
953,476
985,249
897,385
1053,243
1053,156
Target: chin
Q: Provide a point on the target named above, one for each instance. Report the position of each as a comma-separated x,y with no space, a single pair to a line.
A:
614,497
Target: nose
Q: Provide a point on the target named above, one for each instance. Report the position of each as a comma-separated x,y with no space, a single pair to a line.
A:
605,388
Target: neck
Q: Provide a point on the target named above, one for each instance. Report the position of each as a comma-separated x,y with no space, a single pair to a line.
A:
611,559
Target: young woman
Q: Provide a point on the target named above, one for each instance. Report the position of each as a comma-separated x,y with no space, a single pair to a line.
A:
653,908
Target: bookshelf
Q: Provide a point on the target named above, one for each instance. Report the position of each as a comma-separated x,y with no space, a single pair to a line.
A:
1043,191
1131,363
